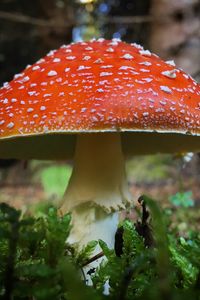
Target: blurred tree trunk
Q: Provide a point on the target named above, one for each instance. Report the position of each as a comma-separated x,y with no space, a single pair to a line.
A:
27,33
24,42
127,20
175,32
55,36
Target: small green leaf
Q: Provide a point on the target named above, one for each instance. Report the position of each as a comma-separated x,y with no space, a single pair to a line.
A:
182,199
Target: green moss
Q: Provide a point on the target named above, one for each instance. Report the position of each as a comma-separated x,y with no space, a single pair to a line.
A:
36,262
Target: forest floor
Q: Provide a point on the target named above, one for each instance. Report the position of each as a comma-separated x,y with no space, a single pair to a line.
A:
25,194
158,177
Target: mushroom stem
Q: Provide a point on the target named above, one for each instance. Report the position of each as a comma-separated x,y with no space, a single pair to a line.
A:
97,188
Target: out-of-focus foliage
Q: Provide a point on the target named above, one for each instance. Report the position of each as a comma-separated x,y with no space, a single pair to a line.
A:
36,261
182,215
149,168
54,179
182,199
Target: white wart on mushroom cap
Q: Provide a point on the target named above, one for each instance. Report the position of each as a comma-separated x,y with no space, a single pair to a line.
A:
97,86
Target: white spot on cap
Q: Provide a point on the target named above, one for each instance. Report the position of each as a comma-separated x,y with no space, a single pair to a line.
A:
137,46
124,68
145,52
144,70
46,129
67,69
166,89
94,119
6,85
98,61
186,76
83,68
100,90
171,63
30,109
42,107
86,57
25,79
40,61
105,74
147,79
110,50
13,100
36,68
127,56
2,122
18,76
21,87
169,74
103,82
52,73
88,48
106,67
145,63
100,40
70,57
51,53
5,101
116,40
10,125
56,60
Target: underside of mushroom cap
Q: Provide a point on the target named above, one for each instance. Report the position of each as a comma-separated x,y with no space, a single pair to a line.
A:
99,86
61,147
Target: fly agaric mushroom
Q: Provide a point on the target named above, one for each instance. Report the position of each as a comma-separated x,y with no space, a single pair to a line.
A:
115,99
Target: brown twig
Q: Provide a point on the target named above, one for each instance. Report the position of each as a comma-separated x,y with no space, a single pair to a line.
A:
90,260
130,19
20,18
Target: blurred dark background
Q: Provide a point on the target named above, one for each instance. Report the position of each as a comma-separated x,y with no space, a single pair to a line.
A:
29,29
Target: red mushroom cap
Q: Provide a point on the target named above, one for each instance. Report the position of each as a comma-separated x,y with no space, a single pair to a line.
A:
97,86
100,86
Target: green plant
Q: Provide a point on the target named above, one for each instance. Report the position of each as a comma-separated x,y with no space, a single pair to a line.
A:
182,199
36,262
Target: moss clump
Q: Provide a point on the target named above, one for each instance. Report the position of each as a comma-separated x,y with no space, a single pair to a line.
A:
37,263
